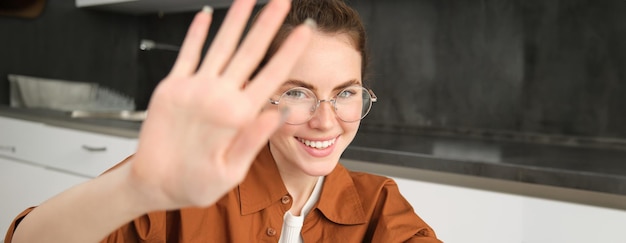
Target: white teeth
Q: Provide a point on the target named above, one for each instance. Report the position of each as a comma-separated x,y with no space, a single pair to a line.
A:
318,144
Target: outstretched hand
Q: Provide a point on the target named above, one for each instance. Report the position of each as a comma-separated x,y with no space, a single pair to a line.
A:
204,127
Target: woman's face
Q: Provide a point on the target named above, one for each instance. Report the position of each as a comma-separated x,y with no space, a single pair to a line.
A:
328,65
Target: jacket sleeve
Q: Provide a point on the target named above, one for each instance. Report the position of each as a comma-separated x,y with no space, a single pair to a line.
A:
394,219
9,234
148,228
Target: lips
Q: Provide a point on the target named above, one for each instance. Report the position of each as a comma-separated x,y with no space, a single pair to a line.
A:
318,144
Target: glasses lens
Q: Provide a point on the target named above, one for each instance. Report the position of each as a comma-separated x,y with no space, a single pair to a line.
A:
301,104
353,103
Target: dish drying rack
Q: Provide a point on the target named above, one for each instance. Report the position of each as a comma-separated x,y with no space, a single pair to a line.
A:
79,99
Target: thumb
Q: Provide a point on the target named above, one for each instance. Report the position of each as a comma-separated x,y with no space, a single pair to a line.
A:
249,141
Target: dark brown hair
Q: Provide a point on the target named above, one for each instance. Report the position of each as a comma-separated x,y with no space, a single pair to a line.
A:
332,17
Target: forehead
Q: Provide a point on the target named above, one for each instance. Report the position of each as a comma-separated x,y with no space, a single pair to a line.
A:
330,60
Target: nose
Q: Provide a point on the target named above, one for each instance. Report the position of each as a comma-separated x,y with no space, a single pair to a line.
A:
324,116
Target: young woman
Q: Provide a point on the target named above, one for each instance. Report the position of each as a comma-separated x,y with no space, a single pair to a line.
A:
236,153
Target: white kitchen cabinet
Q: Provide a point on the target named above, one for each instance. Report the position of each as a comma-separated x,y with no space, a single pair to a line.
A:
84,153
467,215
139,7
555,221
79,152
18,138
23,185
38,161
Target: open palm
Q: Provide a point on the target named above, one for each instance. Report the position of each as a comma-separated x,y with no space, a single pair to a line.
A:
204,127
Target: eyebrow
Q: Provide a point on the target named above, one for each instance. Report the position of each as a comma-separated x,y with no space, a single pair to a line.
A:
300,83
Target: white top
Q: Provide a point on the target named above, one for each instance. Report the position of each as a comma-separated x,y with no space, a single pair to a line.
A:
292,225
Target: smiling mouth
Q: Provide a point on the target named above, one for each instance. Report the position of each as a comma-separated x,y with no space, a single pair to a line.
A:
318,144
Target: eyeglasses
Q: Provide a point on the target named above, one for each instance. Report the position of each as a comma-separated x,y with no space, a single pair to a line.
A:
350,104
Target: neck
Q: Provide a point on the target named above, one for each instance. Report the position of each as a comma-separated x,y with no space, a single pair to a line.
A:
299,187
299,184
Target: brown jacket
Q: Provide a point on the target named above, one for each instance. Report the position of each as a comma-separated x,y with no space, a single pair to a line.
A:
353,207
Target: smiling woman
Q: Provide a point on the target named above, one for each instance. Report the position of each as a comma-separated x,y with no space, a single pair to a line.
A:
218,162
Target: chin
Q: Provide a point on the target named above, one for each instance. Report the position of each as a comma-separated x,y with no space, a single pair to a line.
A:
321,167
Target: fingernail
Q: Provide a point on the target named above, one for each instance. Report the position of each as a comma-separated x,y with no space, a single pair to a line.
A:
311,23
207,9
284,114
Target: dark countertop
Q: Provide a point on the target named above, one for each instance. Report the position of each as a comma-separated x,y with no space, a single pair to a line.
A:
122,128
590,169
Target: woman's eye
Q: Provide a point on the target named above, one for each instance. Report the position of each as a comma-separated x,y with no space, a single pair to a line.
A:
346,93
296,94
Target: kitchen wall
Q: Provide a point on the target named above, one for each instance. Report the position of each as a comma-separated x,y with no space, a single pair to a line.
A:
88,45
167,29
529,66
70,44
508,67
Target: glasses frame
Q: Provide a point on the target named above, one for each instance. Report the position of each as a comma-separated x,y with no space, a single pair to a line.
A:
332,101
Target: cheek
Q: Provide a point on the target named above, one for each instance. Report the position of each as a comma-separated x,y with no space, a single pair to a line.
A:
350,130
284,132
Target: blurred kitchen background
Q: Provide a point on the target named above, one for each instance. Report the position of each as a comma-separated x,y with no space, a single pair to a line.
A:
503,115
544,71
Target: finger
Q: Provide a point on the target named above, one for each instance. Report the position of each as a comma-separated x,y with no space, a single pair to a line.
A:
256,42
277,69
189,55
252,138
227,38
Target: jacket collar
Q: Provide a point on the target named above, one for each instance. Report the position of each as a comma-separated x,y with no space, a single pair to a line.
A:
340,201
263,186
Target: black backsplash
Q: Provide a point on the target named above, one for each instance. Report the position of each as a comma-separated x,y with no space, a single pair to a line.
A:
71,44
514,66
528,66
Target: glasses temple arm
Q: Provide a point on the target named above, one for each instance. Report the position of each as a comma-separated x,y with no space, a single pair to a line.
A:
374,98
